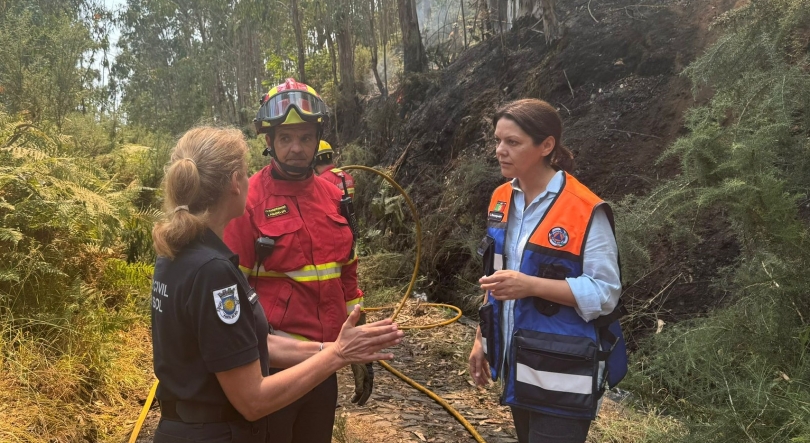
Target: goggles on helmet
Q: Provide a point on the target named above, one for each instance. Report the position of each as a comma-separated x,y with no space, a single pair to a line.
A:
276,109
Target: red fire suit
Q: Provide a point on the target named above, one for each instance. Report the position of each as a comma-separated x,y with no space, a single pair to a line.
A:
333,174
309,282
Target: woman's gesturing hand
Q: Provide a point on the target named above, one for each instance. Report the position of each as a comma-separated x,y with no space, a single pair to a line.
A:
362,344
479,367
507,285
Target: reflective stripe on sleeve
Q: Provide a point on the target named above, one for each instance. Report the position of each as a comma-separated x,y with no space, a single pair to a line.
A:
351,303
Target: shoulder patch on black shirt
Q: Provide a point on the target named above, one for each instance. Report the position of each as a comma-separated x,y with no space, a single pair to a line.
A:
227,303
275,212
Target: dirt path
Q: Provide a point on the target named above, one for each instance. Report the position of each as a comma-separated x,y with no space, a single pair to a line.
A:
436,359
396,412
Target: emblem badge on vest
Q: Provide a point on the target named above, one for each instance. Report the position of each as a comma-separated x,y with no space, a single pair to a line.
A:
558,237
495,216
499,206
227,302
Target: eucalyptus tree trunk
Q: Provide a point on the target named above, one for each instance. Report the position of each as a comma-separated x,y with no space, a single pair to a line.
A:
347,104
496,10
414,51
551,26
330,46
525,7
463,24
299,40
374,59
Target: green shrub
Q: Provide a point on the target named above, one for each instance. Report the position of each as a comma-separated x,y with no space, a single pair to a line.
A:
740,374
74,344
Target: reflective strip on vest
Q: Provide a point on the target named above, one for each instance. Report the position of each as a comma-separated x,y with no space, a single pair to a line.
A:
554,381
498,262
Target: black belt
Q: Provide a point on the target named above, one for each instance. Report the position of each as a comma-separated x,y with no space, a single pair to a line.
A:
195,412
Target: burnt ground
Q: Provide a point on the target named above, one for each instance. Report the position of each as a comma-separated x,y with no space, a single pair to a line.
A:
615,78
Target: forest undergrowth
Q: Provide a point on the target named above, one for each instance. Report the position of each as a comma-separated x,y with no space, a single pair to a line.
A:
741,373
74,336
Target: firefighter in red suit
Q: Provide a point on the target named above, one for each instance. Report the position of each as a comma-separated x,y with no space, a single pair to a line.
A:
326,169
307,278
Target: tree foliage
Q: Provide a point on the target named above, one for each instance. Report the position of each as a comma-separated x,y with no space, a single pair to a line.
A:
741,374
43,72
75,222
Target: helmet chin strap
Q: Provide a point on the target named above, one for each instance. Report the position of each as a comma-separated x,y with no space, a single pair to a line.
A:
296,171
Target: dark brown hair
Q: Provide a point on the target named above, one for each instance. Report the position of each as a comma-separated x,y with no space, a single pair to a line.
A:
540,120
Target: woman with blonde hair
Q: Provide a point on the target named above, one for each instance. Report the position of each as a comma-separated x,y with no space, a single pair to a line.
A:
209,334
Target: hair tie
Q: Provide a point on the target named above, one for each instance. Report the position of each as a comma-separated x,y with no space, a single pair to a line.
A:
191,160
181,208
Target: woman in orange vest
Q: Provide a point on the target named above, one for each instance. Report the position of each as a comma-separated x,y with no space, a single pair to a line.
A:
550,325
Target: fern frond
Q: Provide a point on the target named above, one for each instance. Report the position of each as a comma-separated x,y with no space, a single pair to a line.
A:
10,235
8,275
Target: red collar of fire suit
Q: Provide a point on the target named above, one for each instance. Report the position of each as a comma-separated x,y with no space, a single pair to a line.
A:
286,187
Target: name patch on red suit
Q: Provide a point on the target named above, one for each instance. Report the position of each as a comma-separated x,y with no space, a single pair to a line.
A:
275,212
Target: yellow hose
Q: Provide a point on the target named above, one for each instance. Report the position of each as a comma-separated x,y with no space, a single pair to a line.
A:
438,400
407,295
415,215
144,412
397,310
433,325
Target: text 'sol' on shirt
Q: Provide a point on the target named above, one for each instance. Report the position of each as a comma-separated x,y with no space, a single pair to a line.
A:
205,319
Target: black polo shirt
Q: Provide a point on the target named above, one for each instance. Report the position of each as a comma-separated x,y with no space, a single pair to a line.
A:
205,319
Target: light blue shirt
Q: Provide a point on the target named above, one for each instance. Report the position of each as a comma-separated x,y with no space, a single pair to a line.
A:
598,289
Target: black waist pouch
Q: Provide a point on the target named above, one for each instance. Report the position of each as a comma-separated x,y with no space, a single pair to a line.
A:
486,320
557,371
